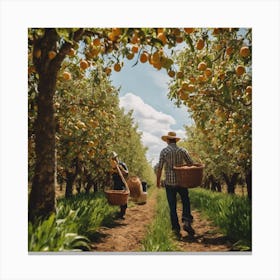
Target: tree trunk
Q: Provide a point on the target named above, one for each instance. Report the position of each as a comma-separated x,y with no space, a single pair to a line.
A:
42,196
70,179
214,184
231,182
249,183
206,183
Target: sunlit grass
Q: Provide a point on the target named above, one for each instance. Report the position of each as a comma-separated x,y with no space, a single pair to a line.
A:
159,236
231,213
77,219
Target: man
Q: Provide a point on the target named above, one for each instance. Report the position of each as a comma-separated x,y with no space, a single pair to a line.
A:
172,156
118,183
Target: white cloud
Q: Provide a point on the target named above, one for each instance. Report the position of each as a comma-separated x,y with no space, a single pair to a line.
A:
160,79
152,123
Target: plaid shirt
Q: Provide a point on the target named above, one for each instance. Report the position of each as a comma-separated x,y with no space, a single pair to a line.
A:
171,156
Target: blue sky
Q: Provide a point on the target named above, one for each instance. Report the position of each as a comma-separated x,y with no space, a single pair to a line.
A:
144,89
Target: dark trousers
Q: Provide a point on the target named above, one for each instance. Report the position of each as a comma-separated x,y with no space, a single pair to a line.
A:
122,207
171,194
144,186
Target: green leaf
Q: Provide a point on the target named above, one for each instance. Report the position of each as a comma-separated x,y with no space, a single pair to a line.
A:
190,43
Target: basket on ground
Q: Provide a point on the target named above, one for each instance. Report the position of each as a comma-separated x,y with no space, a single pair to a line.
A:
189,176
142,199
117,197
135,186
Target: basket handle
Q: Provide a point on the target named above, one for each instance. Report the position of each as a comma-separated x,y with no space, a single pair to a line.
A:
121,175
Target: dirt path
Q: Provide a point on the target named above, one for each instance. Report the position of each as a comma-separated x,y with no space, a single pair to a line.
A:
126,235
207,237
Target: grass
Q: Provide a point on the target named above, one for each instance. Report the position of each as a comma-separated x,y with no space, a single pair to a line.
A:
159,237
73,226
231,213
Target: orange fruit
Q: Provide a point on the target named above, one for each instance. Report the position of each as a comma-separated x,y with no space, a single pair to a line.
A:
183,95
51,55
171,73
244,51
135,39
240,70
179,39
189,30
162,38
144,57
192,79
84,64
135,48
176,32
108,71
112,36
216,31
184,85
71,52
157,65
191,88
117,67
200,44
202,66
116,31
66,76
202,78
94,51
222,75
155,57
180,75
229,50
208,72
130,56
248,89
96,42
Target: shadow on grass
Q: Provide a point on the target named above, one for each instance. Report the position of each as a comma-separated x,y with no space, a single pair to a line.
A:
97,236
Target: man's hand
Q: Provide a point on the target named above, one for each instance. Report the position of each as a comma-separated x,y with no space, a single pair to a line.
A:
113,163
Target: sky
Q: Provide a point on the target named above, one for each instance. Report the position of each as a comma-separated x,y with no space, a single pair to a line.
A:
144,89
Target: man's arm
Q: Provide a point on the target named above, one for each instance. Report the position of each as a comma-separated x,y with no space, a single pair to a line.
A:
159,171
123,168
188,159
159,168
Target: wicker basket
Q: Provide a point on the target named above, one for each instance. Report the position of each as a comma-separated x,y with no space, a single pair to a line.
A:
189,176
117,197
135,186
142,199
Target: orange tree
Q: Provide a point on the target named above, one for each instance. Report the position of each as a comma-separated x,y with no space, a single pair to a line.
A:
49,47
214,80
130,149
89,125
85,111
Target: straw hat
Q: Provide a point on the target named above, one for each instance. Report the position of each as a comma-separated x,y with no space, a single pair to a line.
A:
170,135
114,155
